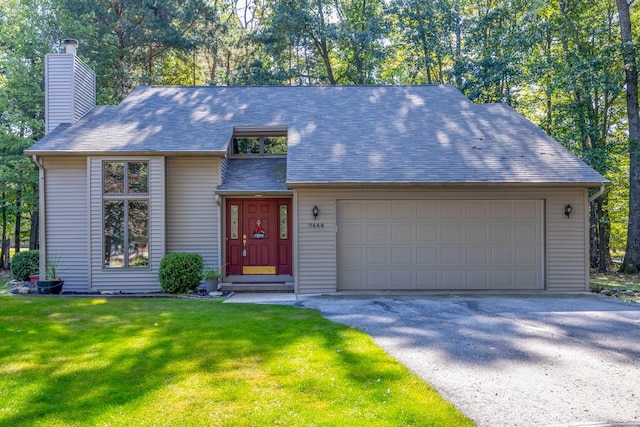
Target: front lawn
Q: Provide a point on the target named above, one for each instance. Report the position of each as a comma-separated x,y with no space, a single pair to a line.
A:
168,362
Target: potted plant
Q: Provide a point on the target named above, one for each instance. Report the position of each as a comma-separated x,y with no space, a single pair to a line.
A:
211,277
52,284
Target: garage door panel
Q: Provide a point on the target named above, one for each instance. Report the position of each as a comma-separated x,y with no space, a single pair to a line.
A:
352,255
440,244
375,233
427,210
426,233
376,210
403,210
451,256
476,256
527,232
427,255
527,210
476,233
402,255
452,210
377,256
476,279
502,255
478,210
451,232
501,232
402,232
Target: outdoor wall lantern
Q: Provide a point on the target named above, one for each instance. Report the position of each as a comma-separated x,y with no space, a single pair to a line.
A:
315,211
567,210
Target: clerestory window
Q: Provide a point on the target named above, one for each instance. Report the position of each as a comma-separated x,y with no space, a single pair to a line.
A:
125,210
259,145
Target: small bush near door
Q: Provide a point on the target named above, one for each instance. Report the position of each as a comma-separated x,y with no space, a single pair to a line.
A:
180,272
24,264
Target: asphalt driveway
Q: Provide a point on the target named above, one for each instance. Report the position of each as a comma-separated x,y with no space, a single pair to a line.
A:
516,360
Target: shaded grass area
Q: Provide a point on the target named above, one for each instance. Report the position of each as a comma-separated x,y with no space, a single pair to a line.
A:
616,282
142,362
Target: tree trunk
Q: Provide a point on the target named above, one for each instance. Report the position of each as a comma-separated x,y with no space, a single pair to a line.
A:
631,263
34,241
18,218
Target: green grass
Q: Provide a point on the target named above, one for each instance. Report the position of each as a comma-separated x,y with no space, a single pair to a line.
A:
168,362
616,281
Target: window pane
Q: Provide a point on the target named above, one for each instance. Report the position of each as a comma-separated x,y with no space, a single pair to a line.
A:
138,233
234,222
275,145
283,222
138,177
246,145
113,178
113,233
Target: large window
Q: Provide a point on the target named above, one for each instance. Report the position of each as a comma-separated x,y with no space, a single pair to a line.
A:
125,210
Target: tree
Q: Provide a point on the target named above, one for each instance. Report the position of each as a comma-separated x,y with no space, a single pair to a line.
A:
631,262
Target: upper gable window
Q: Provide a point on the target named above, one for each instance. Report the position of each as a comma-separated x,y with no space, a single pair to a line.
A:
259,145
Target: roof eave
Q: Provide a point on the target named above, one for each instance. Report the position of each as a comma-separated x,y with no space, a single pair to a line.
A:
461,185
132,153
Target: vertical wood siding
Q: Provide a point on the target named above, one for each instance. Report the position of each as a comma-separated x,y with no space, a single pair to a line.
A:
69,90
130,279
192,212
565,246
66,219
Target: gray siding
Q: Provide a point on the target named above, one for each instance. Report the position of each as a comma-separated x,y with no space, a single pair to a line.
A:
70,90
316,243
66,219
565,242
193,216
128,280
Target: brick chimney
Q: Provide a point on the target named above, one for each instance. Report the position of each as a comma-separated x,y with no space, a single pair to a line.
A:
70,87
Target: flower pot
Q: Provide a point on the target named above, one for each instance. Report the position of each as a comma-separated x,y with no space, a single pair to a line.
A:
33,278
49,286
211,285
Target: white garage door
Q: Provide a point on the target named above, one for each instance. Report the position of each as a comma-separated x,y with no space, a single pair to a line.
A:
440,244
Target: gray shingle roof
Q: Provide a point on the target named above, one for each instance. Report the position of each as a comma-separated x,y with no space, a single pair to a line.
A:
261,175
337,135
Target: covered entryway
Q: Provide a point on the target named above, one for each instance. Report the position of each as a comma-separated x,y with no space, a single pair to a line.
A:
440,244
258,236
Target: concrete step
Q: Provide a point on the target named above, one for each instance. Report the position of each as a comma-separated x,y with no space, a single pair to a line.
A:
257,287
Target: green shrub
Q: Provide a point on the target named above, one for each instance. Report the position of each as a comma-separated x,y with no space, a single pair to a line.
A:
180,272
24,264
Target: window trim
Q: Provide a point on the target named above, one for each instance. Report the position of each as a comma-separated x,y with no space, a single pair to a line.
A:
126,197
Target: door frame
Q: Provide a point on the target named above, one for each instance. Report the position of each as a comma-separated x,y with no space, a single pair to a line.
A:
284,246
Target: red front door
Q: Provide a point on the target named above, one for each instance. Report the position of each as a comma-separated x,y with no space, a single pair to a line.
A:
258,236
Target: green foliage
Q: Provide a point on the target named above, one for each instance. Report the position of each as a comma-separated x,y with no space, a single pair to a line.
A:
211,274
24,264
180,272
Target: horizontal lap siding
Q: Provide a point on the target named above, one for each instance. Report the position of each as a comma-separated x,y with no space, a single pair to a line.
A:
128,280
66,219
565,243
316,258
192,212
567,247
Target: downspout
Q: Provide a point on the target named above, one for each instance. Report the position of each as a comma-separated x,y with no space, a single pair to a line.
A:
598,193
41,218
